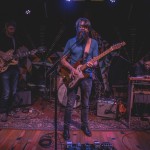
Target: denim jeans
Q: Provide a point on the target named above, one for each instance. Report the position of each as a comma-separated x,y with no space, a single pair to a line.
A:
86,86
9,81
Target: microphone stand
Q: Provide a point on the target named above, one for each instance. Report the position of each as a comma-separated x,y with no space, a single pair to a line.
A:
55,67
125,59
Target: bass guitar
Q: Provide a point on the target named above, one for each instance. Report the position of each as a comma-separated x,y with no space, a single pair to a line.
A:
72,82
7,58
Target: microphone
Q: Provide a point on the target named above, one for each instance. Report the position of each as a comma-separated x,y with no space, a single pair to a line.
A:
82,35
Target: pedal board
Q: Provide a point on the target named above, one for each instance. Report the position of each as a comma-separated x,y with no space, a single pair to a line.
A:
96,146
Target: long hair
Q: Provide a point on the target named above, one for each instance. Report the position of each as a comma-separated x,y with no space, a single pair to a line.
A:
87,23
81,35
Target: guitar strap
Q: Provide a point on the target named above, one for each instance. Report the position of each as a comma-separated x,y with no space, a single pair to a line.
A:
87,49
13,40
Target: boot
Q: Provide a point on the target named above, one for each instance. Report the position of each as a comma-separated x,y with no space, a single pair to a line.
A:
86,130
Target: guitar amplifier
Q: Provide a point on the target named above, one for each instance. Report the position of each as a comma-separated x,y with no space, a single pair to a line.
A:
107,108
23,98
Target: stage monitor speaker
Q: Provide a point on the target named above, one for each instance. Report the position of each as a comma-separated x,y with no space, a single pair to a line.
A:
23,98
107,108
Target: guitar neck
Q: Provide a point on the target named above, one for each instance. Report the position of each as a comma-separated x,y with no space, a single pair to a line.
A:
112,48
84,66
21,55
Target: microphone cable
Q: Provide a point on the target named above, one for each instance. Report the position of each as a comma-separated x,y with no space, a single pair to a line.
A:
45,141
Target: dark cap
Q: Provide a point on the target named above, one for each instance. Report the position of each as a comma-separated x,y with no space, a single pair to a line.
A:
10,23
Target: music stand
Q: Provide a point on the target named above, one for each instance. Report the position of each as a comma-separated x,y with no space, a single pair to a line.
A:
45,65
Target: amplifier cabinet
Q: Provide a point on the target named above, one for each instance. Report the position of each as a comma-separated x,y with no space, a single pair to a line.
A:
138,92
107,108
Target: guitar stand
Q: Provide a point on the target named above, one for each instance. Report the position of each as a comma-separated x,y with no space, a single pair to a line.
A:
118,118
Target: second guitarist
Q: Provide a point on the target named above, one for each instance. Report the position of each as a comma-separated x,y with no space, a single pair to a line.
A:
8,78
80,47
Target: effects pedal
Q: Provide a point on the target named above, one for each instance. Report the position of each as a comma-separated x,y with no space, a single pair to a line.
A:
96,146
106,146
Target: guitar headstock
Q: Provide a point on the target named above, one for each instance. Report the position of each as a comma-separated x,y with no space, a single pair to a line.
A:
117,46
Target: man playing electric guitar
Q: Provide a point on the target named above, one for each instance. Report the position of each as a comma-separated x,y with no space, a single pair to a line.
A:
84,48
8,78
82,52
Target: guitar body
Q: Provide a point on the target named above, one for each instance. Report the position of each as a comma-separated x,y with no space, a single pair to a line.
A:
4,64
66,75
4,68
11,59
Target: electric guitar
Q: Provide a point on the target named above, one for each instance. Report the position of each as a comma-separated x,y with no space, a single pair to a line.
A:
72,82
7,58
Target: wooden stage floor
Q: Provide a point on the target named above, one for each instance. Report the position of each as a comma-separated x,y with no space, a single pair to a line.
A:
29,139
12,139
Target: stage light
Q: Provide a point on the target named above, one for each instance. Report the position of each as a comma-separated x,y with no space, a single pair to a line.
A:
28,12
75,0
112,1
96,0
85,0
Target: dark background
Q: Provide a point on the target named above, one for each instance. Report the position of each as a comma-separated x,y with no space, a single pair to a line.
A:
52,22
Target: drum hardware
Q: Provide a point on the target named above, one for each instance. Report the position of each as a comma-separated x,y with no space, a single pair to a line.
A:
99,88
62,96
40,78
46,67
52,84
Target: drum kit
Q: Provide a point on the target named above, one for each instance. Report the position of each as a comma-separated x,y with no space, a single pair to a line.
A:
48,78
38,79
44,80
62,93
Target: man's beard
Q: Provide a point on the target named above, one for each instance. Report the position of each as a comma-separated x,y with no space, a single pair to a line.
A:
82,37
11,34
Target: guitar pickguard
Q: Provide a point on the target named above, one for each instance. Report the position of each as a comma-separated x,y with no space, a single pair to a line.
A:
76,77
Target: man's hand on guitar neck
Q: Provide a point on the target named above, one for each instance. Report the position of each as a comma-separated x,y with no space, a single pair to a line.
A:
75,72
91,64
